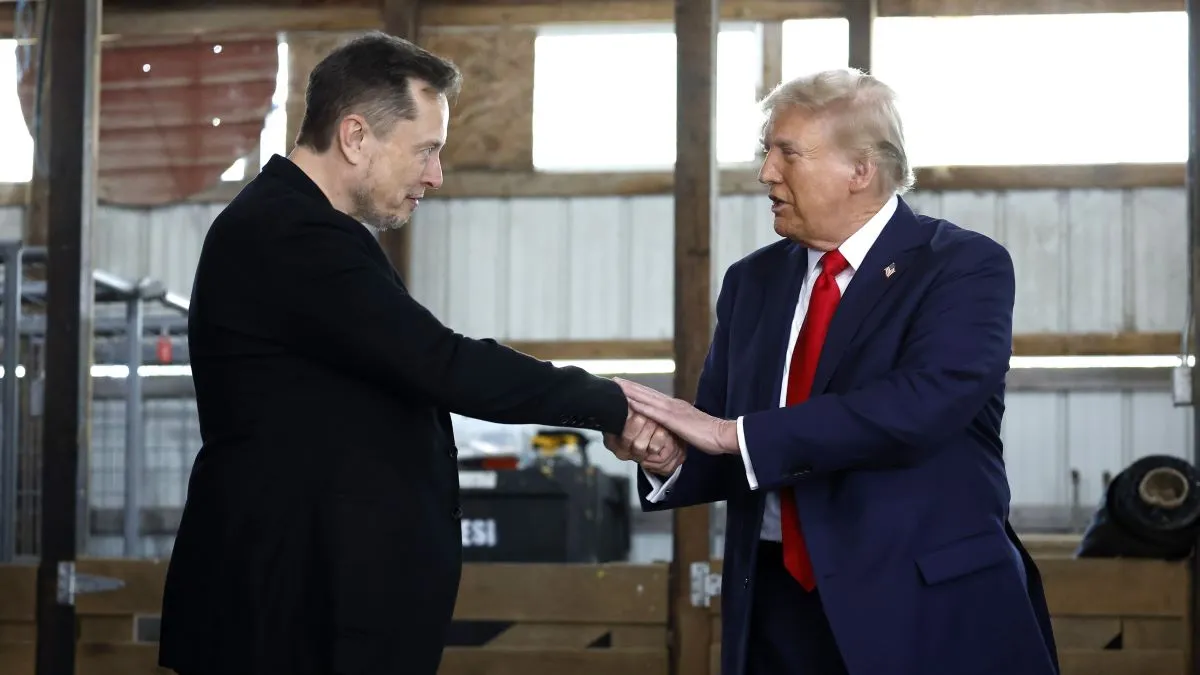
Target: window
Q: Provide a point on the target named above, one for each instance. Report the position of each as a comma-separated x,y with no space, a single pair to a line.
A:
1023,90
273,140
16,162
812,45
604,100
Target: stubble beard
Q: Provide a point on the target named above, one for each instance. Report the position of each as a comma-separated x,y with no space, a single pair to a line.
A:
366,212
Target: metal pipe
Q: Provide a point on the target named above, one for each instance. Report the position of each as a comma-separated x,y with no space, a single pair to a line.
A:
11,255
134,457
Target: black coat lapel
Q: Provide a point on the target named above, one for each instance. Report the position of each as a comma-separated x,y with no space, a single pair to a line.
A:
886,262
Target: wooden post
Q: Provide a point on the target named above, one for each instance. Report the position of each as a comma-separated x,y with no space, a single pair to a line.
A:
772,64
860,14
74,36
400,19
696,190
36,225
1193,216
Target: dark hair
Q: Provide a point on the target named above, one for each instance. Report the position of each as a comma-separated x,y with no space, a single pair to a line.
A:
370,75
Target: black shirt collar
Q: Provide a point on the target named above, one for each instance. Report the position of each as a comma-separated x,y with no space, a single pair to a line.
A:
283,169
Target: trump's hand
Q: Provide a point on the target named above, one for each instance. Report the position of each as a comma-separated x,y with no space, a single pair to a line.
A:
647,443
703,431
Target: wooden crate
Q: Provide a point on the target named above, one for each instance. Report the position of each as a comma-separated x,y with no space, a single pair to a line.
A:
1111,617
547,619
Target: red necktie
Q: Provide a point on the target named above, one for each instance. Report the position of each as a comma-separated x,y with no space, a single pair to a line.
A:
824,301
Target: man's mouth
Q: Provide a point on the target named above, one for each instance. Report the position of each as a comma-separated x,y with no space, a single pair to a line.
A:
777,204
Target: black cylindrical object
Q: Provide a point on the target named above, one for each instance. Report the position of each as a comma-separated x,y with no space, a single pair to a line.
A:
1150,510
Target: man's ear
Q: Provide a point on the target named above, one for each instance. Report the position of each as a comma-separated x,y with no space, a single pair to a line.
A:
863,175
351,134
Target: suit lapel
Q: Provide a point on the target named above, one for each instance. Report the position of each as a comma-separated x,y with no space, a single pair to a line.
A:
782,293
885,264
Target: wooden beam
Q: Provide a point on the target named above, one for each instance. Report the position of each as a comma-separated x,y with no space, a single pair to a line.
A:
131,18
696,188
74,37
400,19
512,184
520,184
860,14
1193,237
1047,344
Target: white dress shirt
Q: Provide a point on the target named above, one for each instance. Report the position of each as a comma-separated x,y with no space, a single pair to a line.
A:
854,249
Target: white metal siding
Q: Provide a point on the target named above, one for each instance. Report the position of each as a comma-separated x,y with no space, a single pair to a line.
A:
1047,434
602,268
163,244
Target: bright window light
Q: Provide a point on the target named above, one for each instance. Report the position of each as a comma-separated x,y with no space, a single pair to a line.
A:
1048,89
236,171
16,162
273,140
604,99
1116,93
813,45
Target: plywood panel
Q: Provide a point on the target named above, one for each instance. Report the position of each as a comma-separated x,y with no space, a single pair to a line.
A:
491,124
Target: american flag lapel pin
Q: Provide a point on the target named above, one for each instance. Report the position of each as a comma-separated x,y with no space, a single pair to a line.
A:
889,270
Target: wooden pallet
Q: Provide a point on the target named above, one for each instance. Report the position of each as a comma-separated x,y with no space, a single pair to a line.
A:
532,619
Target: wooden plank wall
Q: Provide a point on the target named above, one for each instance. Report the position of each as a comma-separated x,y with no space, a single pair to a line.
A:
541,620
1111,617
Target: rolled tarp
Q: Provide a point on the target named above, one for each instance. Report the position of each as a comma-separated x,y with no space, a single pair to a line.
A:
1150,510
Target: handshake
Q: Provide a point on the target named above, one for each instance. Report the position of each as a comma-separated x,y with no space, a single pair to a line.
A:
660,428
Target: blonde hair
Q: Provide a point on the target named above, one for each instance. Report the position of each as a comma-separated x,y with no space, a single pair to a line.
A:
868,120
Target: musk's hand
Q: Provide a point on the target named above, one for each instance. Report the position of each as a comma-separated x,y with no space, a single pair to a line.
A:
702,431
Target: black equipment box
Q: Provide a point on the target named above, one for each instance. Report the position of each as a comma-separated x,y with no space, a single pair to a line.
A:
551,512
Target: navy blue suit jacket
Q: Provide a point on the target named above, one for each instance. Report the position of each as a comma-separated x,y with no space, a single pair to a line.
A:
896,457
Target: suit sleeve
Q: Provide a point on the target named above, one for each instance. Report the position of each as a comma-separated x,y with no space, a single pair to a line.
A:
702,478
343,307
955,358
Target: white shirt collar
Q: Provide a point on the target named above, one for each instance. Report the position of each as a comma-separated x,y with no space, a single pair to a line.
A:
855,248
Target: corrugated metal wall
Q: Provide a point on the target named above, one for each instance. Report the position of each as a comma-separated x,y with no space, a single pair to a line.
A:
163,244
601,268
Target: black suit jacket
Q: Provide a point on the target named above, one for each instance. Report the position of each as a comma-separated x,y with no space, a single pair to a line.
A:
321,532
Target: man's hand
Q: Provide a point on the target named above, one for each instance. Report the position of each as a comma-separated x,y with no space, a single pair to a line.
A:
648,444
704,432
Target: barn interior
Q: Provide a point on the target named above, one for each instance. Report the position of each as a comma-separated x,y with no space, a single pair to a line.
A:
601,176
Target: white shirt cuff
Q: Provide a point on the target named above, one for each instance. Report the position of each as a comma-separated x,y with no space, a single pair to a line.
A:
658,489
750,477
